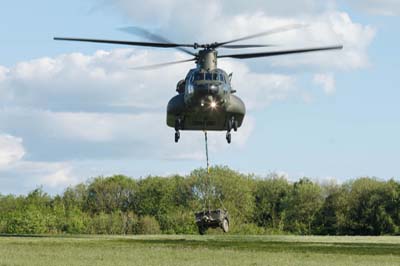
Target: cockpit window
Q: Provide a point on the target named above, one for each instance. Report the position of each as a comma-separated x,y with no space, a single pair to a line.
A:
209,76
199,76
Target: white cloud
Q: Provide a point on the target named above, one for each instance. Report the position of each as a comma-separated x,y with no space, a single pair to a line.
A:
103,81
24,176
326,81
225,20
71,136
169,11
93,106
11,150
259,89
379,7
3,73
329,28
60,178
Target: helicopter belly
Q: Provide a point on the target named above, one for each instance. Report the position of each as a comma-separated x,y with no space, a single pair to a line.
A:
204,121
196,118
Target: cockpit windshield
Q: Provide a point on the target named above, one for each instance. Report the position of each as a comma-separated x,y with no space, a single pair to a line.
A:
208,76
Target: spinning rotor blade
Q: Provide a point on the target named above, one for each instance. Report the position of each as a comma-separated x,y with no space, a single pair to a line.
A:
153,37
150,67
149,44
241,46
268,32
275,53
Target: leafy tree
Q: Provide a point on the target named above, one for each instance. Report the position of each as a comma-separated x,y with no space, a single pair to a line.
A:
121,205
110,194
332,217
302,206
270,197
228,189
155,198
372,207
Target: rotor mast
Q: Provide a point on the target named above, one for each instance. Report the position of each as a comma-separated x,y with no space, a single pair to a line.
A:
207,59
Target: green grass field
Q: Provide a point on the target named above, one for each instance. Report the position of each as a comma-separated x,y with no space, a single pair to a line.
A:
199,250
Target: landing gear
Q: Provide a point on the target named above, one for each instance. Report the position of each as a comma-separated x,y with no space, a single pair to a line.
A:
178,126
232,124
177,136
235,124
228,137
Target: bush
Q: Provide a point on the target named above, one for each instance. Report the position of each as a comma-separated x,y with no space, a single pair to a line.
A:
179,222
247,229
148,225
104,223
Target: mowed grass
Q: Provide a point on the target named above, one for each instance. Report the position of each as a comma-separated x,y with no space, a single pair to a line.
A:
199,250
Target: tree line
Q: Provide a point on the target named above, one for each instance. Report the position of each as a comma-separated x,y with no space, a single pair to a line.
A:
153,205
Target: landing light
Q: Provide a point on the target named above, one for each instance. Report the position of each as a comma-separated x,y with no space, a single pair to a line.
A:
213,105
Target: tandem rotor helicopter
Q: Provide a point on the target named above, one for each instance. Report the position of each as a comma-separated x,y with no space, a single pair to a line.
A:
206,99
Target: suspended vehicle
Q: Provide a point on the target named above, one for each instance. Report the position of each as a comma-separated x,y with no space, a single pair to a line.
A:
212,219
206,100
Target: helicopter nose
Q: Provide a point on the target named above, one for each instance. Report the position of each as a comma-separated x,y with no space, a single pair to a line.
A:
207,89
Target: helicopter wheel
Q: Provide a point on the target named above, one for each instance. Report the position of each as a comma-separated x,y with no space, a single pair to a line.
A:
177,136
228,137
177,124
234,124
230,125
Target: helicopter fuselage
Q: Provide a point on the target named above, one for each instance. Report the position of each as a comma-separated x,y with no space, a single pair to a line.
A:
205,101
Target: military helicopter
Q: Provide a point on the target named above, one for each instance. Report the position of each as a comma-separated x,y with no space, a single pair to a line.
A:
206,100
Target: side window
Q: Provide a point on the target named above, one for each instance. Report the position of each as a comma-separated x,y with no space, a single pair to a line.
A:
208,76
189,84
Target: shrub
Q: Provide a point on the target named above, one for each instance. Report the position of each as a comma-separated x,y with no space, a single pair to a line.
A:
148,225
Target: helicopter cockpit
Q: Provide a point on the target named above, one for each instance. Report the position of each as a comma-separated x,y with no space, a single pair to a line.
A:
208,76
205,80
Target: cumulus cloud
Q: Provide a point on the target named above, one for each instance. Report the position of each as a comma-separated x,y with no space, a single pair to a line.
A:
61,177
103,81
326,81
259,89
11,150
165,11
16,173
24,176
93,106
379,7
3,73
225,20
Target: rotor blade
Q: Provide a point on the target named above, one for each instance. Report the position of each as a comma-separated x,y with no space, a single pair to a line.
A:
149,44
240,46
274,53
153,37
150,67
268,32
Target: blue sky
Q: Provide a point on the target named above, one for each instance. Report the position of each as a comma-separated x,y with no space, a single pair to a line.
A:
71,111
